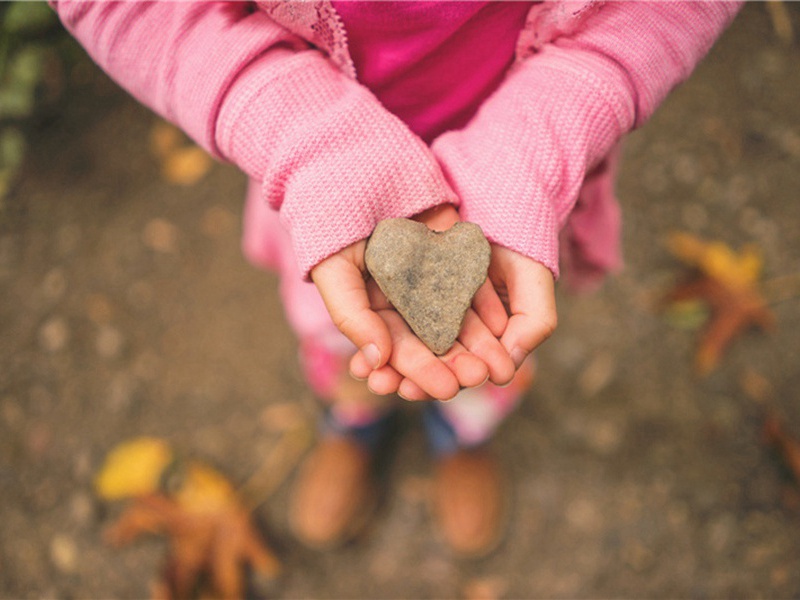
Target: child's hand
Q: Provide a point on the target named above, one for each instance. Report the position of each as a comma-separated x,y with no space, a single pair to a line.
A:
390,355
483,326
360,311
527,290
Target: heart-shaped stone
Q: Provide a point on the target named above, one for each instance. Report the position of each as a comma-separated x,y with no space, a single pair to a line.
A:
430,277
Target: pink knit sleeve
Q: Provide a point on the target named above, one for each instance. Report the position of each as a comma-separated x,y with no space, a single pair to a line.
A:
518,166
332,160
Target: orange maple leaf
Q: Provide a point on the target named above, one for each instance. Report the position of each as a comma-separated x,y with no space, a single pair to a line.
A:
728,282
211,536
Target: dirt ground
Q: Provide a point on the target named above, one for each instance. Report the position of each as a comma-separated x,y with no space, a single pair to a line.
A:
128,310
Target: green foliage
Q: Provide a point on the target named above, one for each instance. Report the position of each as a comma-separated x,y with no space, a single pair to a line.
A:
29,32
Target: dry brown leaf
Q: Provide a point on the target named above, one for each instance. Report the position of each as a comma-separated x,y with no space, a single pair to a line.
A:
210,534
728,282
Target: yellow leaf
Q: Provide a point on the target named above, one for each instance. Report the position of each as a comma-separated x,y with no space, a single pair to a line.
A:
717,260
133,468
204,489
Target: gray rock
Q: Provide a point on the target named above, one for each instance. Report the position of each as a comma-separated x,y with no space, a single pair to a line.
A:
430,277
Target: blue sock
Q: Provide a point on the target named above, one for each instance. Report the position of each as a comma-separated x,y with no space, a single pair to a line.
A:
369,435
441,435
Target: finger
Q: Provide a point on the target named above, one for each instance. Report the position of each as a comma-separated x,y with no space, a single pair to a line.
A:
414,360
409,390
343,289
470,370
359,366
533,311
384,381
480,341
439,218
490,309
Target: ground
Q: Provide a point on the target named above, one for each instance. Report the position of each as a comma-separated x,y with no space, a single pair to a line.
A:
128,310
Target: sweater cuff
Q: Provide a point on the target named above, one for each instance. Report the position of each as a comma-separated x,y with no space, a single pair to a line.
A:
519,165
332,160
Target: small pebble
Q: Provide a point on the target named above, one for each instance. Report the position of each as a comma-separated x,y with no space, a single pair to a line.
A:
54,334
82,466
120,392
146,365
218,222
9,255
598,374
64,553
54,284
583,515
140,295
68,239
81,508
99,308
11,412
109,342
694,217
686,169
160,235
604,437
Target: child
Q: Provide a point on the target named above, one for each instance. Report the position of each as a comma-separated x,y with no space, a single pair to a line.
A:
347,113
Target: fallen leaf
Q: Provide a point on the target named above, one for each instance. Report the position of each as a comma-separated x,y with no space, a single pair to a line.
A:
133,468
728,282
211,538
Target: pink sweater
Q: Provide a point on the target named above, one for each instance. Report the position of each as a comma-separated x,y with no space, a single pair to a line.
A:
334,161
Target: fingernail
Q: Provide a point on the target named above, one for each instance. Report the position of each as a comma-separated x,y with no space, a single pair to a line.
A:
518,356
481,384
357,378
372,354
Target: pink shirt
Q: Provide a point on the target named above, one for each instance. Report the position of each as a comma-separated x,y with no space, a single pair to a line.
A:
432,63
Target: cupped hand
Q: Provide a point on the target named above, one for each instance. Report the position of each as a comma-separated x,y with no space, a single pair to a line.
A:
362,313
477,355
527,289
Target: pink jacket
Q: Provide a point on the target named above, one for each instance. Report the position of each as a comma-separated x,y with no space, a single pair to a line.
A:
271,88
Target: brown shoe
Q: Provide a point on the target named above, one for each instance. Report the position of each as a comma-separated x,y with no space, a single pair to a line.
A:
470,502
333,496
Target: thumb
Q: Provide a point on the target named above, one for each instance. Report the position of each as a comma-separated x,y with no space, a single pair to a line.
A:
343,289
531,298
